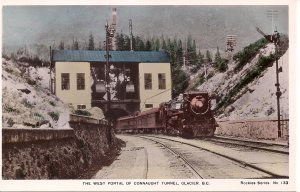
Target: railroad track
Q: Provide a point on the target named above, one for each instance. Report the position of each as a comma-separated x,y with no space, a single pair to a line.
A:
145,174
178,155
238,161
275,148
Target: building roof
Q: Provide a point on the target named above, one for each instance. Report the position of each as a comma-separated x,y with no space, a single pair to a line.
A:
115,56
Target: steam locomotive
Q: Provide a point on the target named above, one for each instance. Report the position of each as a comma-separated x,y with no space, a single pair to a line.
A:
189,115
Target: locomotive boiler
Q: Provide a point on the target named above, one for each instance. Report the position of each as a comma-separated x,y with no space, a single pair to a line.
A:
189,115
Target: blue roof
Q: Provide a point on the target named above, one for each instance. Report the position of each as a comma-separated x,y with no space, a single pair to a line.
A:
116,56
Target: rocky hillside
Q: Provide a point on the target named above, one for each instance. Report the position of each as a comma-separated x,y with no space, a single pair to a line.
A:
26,99
247,91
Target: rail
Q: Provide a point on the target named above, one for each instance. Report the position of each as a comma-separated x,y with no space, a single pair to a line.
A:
242,163
178,155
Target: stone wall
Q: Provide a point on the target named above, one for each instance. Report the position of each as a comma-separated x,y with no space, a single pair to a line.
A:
55,153
253,129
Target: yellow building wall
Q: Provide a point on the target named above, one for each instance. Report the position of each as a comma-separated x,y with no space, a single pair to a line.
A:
154,96
73,96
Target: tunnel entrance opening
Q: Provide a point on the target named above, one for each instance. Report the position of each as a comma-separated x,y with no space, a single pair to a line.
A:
116,113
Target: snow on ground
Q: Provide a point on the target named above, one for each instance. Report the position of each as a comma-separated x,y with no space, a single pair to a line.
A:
261,101
27,100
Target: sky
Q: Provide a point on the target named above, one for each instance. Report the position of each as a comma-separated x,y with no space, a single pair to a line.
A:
208,25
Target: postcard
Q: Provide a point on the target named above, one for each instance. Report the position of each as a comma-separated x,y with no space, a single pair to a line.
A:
139,96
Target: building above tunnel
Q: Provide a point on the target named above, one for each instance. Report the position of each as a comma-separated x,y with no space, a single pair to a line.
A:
74,79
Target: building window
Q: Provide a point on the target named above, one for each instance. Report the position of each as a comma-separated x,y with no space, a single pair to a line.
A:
148,80
80,81
65,81
81,107
148,105
161,81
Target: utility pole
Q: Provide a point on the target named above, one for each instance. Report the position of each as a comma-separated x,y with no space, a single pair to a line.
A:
107,78
278,70
109,34
50,69
275,38
272,14
184,66
231,43
109,31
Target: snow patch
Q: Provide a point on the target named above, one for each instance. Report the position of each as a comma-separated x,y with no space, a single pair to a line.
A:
36,106
259,99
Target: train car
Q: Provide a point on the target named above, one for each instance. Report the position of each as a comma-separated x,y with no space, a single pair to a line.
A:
144,122
189,115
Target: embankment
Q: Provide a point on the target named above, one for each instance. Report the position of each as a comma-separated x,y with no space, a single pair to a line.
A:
58,153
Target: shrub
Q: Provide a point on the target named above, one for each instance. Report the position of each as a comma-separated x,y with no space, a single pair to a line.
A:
5,56
260,66
195,69
10,109
30,81
247,53
10,122
222,65
8,70
26,103
83,112
180,82
54,115
52,103
270,111
38,115
199,81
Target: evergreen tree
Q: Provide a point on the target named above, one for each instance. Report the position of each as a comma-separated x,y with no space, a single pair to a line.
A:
180,81
61,45
218,56
127,43
191,51
100,46
152,44
179,53
220,63
169,44
91,45
139,44
199,63
208,57
157,44
200,57
75,45
164,45
120,42
148,45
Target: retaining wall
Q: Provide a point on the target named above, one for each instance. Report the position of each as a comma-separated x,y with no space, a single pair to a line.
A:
253,129
54,153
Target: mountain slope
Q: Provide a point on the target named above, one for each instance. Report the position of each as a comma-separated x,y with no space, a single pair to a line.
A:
26,101
255,99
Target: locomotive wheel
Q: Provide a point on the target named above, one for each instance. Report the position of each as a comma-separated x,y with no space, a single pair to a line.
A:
211,132
187,133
